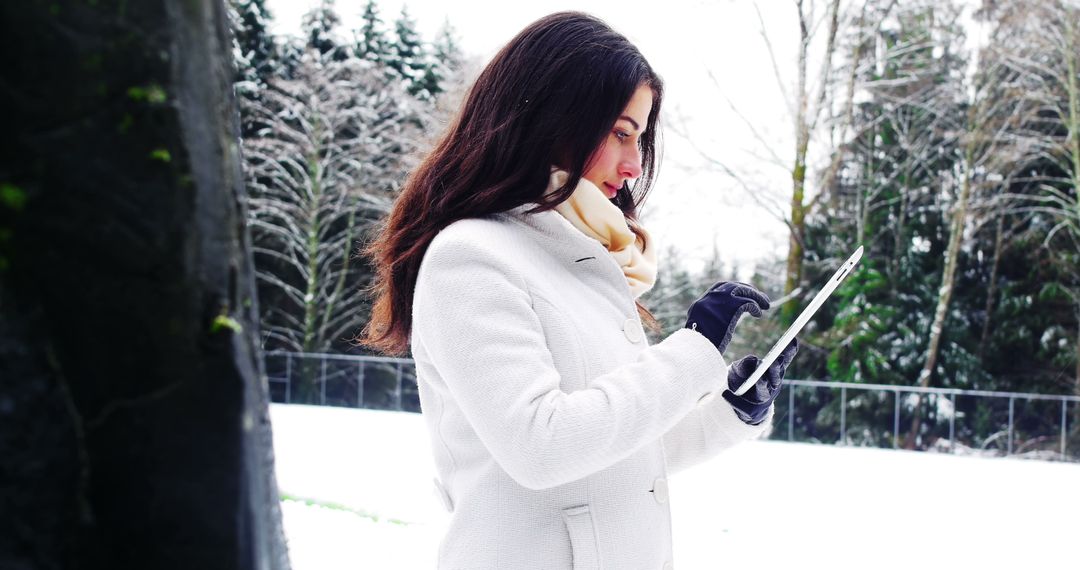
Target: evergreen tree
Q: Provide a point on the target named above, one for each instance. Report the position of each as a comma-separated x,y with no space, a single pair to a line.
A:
255,51
409,58
446,75
371,42
255,55
446,50
675,289
320,26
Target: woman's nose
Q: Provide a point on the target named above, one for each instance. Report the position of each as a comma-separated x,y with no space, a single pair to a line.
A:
630,166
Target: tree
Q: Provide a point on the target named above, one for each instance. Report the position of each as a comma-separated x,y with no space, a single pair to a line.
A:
135,428
448,74
880,177
255,54
410,60
320,28
806,117
1048,66
446,50
337,148
254,51
371,42
675,289
994,104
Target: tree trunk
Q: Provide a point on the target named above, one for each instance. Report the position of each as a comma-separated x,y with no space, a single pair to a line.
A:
793,271
134,420
991,290
948,278
790,309
829,180
805,123
899,235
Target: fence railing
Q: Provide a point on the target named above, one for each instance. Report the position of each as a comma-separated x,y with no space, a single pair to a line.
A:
343,380
973,422
990,423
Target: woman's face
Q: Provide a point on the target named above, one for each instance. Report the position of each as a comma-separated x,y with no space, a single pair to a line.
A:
619,158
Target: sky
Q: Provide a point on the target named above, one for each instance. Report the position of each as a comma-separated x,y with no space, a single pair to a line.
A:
689,42
357,501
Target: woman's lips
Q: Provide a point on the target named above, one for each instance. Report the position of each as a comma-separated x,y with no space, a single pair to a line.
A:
610,190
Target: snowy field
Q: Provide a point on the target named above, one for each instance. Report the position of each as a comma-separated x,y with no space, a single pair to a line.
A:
359,495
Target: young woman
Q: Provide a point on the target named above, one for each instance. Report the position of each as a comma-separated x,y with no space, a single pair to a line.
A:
511,264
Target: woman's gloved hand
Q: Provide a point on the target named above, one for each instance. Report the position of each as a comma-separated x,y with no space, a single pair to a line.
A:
717,312
753,406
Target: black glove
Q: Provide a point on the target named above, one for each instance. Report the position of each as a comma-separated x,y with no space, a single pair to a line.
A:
717,312
753,406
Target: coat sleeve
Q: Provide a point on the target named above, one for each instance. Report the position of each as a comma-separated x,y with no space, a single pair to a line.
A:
473,315
710,428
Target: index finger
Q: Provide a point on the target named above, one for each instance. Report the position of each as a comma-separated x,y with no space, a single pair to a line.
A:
753,294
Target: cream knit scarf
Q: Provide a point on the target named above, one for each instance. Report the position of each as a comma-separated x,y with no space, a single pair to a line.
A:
590,211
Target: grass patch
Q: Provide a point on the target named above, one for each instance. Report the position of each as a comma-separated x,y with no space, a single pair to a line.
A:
339,507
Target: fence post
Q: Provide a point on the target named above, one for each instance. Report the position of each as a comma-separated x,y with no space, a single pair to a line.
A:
952,424
1008,451
896,419
1063,403
288,377
359,383
397,391
322,381
791,413
843,415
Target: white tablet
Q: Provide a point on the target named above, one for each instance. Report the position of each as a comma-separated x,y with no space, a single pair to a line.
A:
800,322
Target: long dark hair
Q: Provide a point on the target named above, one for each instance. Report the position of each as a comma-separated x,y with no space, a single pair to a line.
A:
549,97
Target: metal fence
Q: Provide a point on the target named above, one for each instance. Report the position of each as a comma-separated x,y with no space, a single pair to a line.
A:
971,422
372,382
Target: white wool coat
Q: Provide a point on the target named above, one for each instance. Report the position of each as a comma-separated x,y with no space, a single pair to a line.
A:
554,425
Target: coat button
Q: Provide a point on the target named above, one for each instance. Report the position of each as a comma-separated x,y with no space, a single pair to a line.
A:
669,566
632,330
660,490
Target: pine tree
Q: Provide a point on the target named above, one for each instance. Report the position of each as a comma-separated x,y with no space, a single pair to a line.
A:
446,50
255,55
409,59
319,26
447,73
256,51
371,42
444,63
675,289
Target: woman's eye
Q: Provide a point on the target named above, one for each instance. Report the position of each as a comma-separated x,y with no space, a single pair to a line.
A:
621,136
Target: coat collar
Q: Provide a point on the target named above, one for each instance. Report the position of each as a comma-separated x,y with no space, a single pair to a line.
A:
573,248
574,244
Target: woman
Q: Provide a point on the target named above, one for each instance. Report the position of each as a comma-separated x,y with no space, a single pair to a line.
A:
512,263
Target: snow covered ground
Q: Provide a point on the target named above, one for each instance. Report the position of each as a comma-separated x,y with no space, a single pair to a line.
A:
360,496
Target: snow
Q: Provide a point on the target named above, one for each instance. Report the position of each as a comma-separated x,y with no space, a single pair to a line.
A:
805,506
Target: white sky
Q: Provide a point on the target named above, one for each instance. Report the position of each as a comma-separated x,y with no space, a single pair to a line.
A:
692,205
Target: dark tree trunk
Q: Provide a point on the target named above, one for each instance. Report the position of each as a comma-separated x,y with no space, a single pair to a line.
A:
134,430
